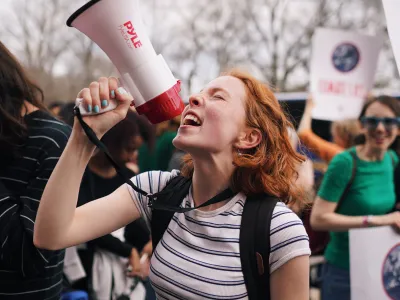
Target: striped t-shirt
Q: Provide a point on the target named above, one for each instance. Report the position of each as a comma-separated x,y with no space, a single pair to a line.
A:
198,256
25,271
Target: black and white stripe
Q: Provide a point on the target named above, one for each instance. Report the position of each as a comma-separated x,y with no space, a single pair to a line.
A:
25,271
198,256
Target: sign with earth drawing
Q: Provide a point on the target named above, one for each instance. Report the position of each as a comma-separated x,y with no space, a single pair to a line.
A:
342,71
392,11
375,264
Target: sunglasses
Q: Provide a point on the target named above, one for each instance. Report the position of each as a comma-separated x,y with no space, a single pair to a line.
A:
373,122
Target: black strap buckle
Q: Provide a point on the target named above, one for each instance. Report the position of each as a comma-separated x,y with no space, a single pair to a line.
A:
152,199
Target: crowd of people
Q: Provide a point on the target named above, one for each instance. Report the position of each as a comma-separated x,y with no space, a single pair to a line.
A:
70,225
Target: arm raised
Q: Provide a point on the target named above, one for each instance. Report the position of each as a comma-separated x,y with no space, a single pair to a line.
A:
59,223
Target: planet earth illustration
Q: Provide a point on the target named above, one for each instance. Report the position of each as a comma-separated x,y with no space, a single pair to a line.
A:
391,273
345,57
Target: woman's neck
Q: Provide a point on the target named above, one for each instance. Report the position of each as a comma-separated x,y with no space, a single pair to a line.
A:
367,153
99,165
211,177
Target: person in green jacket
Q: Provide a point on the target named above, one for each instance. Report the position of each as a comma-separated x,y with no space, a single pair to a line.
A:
370,198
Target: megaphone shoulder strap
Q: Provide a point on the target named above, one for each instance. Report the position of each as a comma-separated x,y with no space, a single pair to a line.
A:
224,195
93,138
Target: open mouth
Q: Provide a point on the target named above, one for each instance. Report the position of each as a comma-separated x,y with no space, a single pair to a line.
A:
191,120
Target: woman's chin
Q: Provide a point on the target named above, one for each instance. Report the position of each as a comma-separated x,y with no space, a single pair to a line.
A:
181,144
187,143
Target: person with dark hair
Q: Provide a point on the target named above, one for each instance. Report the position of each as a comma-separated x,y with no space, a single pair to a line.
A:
367,198
123,142
66,113
31,142
55,108
235,134
126,138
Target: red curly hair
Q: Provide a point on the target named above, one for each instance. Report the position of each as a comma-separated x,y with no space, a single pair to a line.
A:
271,167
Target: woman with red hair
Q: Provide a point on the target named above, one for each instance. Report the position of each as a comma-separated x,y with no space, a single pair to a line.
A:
235,134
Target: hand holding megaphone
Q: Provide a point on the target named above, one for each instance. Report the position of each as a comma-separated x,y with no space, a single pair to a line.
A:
106,104
143,72
88,111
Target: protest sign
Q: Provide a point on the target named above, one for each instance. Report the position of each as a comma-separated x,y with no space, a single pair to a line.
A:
374,263
342,72
392,12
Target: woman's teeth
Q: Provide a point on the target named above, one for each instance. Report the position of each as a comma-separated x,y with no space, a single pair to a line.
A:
191,120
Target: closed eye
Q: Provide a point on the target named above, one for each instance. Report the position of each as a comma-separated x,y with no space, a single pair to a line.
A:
219,97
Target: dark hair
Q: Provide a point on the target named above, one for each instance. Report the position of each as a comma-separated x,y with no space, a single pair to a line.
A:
131,126
388,101
66,113
55,104
15,88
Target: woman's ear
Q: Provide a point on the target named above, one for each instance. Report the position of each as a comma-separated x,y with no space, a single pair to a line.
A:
249,138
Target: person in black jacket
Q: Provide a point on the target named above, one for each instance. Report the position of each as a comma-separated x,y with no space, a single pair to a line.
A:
123,142
31,142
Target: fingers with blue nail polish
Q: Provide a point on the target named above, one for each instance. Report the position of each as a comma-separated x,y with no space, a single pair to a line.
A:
104,103
89,108
96,109
112,94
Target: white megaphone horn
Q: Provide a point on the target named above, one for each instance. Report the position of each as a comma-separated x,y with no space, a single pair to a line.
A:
117,28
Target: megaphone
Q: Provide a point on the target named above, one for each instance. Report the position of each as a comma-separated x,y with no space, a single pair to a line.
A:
117,28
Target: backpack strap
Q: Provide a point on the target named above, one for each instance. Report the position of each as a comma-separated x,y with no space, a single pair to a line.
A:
254,243
353,175
392,158
173,193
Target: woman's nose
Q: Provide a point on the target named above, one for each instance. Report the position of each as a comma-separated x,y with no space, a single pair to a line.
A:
196,100
380,127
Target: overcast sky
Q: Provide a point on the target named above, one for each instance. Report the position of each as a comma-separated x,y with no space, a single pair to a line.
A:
5,8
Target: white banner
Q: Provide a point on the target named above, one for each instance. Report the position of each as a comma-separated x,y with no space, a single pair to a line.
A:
392,12
342,72
375,264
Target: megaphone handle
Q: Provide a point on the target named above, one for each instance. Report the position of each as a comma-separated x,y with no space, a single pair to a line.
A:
112,104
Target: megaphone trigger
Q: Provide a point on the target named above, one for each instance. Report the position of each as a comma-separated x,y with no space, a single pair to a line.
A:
112,104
